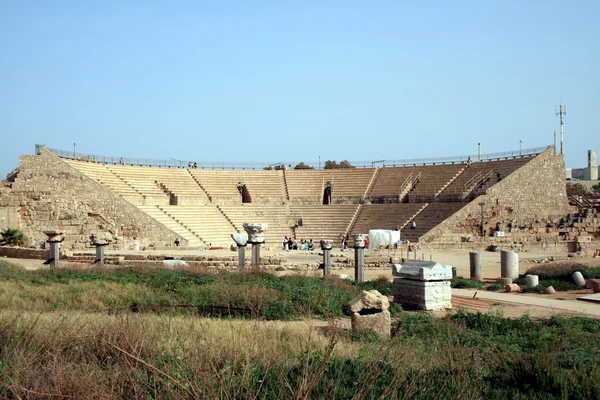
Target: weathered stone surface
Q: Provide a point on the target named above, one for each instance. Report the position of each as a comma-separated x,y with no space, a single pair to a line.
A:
256,231
537,192
596,285
50,195
549,290
369,300
504,281
174,264
513,288
427,295
579,279
379,323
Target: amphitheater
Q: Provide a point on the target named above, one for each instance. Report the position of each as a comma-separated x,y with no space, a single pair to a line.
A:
132,202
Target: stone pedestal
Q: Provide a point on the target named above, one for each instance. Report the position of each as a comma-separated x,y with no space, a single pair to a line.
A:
509,264
422,284
359,256
476,268
433,295
532,280
326,247
256,236
54,240
370,312
100,244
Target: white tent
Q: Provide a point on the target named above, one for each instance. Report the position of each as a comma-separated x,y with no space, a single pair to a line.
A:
381,238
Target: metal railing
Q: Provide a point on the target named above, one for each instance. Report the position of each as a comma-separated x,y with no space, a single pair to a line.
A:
174,163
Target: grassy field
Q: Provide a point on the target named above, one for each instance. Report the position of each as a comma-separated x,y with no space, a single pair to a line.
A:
61,337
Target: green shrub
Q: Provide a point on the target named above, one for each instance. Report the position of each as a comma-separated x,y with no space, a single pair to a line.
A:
557,271
395,309
279,310
535,289
461,283
381,284
280,268
361,335
495,287
13,237
591,273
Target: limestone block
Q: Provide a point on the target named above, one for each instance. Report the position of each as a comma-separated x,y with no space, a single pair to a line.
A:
422,270
379,323
174,264
369,300
512,288
504,281
434,295
549,290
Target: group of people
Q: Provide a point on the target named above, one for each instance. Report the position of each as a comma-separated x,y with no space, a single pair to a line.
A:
292,244
192,165
344,241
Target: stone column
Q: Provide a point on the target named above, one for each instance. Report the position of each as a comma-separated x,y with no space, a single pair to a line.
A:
54,240
475,263
509,264
326,247
241,239
256,236
242,257
359,256
99,248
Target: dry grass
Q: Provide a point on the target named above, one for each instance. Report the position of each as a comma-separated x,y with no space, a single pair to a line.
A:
83,296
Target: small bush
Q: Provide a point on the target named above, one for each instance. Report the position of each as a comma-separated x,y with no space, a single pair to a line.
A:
279,310
395,309
280,268
535,289
495,287
461,283
361,335
381,284
559,271
13,237
591,273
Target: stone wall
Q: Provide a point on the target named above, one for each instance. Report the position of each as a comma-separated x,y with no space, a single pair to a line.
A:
49,194
534,193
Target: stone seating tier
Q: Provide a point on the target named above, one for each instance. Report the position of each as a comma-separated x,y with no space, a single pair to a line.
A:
472,177
207,222
277,216
386,216
430,217
323,222
261,185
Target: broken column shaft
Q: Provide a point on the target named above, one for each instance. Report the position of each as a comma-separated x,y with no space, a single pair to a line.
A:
54,240
359,257
326,247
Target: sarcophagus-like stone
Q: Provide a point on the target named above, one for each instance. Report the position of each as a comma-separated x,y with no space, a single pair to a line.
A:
428,295
422,271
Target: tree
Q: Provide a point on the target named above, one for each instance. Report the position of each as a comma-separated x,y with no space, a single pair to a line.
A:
13,237
329,164
334,165
301,165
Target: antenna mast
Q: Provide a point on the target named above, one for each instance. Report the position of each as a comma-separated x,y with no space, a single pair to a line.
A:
560,111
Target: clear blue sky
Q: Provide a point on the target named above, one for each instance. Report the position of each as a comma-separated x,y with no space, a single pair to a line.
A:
295,80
